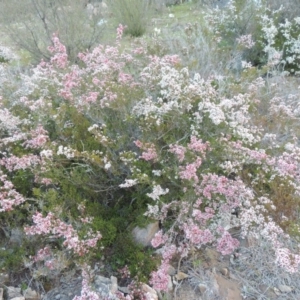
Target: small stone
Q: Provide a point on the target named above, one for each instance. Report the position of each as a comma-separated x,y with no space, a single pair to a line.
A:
232,261
171,270
143,236
102,287
202,288
114,284
224,271
13,292
151,294
18,298
181,276
4,278
276,291
30,294
124,289
1,294
57,297
170,284
284,288
102,279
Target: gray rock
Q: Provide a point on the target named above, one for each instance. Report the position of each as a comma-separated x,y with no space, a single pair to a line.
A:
124,289
1,294
30,294
171,270
285,288
144,236
276,291
13,292
224,271
103,288
114,284
101,279
180,276
170,284
150,292
4,278
202,288
66,291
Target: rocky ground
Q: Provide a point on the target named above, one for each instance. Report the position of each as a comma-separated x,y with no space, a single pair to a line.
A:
207,275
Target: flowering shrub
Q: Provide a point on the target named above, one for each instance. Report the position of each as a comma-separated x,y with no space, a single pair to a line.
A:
265,39
124,135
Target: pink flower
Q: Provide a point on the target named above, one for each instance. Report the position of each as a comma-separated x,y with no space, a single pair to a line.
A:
9,197
160,278
246,41
52,225
196,235
60,58
198,145
149,152
39,137
227,244
179,151
190,171
158,239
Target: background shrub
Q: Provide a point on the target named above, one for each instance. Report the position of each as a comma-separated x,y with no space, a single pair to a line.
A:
134,14
30,25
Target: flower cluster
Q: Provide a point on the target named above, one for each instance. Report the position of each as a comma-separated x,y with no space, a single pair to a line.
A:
149,152
9,197
51,225
246,41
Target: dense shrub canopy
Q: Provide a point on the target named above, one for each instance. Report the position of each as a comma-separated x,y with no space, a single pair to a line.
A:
123,137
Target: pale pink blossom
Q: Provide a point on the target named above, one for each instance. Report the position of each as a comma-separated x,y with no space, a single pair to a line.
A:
149,152
158,239
179,151
246,41
189,171
52,225
227,244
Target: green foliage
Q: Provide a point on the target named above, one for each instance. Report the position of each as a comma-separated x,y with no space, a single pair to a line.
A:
134,14
12,257
239,19
23,180
107,228
3,60
126,252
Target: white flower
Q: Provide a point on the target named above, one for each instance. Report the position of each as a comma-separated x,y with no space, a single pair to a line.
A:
289,147
246,65
157,30
68,152
156,172
46,153
297,20
91,128
157,191
128,183
107,166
